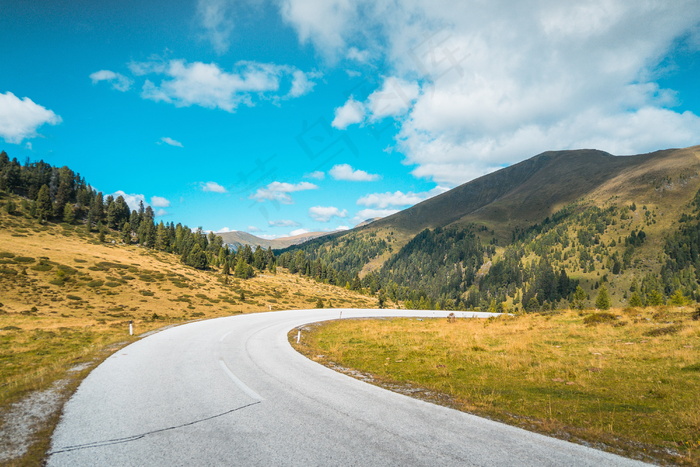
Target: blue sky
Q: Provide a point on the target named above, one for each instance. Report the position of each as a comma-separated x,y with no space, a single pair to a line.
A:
278,117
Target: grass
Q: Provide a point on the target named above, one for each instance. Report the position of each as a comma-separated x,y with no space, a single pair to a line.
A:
628,385
65,298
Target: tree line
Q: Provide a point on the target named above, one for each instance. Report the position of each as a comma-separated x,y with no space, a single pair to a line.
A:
57,194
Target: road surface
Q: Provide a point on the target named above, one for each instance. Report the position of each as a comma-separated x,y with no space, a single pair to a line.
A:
232,391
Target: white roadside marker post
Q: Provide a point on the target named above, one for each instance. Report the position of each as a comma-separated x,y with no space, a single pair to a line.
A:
298,336
131,328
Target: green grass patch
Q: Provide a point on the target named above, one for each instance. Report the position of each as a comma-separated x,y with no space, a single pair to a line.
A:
23,259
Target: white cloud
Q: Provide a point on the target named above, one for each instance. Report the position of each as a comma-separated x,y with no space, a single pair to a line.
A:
159,202
350,113
301,84
399,198
393,99
317,175
207,85
499,82
279,191
215,17
171,142
161,213
323,23
213,187
357,55
296,232
326,213
223,230
342,227
346,172
133,200
118,81
252,228
20,118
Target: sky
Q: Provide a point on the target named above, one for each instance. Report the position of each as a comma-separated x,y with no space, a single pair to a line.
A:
279,117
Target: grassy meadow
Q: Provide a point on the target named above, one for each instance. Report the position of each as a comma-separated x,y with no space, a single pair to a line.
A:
626,381
66,300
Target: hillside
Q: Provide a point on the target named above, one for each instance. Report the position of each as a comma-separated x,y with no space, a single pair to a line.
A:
67,297
538,229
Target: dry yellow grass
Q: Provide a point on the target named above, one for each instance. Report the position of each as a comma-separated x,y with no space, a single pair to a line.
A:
628,384
65,298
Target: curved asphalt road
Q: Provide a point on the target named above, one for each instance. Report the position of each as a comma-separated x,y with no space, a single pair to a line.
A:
232,391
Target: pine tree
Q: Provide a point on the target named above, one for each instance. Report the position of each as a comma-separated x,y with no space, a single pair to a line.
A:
68,213
635,300
579,298
197,258
44,207
602,301
126,233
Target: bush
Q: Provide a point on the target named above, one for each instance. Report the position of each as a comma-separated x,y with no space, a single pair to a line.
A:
599,318
23,259
664,331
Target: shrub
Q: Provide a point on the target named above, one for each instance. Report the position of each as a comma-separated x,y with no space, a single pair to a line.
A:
599,318
664,331
23,259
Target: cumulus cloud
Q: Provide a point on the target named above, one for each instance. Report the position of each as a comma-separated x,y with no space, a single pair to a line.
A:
284,223
133,200
346,172
398,198
118,81
279,191
215,18
393,99
296,232
348,114
317,175
171,142
358,55
159,202
20,118
301,84
213,187
494,82
326,213
208,85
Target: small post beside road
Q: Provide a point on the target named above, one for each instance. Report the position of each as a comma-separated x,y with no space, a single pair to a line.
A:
298,336
131,328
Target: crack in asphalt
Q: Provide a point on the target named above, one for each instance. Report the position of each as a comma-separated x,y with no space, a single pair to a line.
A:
128,439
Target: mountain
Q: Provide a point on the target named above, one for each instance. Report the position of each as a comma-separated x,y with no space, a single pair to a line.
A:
238,238
527,192
538,230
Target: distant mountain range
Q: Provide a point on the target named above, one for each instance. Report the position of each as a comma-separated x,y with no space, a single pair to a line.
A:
239,238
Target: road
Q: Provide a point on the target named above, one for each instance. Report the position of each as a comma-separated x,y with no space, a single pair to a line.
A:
232,391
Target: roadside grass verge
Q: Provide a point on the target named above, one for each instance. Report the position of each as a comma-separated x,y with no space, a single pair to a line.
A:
628,385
